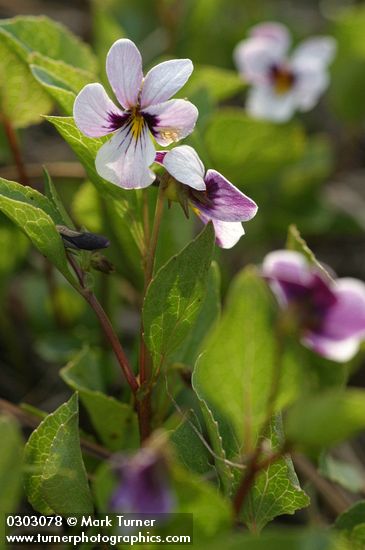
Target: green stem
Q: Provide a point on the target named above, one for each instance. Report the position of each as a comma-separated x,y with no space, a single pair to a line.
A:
144,410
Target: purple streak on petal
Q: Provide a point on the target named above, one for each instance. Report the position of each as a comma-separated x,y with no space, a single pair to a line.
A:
223,201
144,485
117,120
160,155
152,122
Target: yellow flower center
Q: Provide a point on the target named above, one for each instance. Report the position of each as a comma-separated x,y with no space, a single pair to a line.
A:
283,79
137,124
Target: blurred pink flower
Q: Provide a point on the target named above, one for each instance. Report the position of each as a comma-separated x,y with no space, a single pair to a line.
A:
146,108
331,314
211,196
282,84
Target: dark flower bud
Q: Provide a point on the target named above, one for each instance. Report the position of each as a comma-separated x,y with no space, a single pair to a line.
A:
82,240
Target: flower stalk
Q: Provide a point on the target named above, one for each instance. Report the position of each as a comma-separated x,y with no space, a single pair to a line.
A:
144,409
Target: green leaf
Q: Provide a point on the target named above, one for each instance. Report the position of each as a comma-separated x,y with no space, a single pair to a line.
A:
233,378
23,99
30,34
234,373
220,83
352,524
225,473
14,246
36,216
212,513
276,491
208,314
52,195
55,481
189,446
262,148
296,242
175,295
61,81
124,204
115,422
10,465
325,419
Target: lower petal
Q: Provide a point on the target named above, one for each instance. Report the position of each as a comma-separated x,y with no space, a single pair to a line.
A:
335,350
95,114
125,160
263,102
227,234
171,121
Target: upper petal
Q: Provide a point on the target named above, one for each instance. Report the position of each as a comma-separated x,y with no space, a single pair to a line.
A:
255,58
184,164
125,160
94,112
263,102
314,52
346,318
288,273
171,121
224,201
274,32
164,80
124,70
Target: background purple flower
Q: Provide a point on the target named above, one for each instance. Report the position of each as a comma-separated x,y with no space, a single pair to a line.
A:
144,486
331,314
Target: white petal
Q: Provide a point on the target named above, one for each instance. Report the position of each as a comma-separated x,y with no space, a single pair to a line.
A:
276,33
335,350
184,165
164,80
125,160
124,70
263,102
309,86
171,121
93,111
255,58
227,234
314,53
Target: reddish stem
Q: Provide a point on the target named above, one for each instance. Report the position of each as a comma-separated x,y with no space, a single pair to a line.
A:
15,150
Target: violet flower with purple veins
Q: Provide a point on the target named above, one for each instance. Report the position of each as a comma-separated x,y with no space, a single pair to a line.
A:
283,84
146,108
211,196
330,314
144,486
